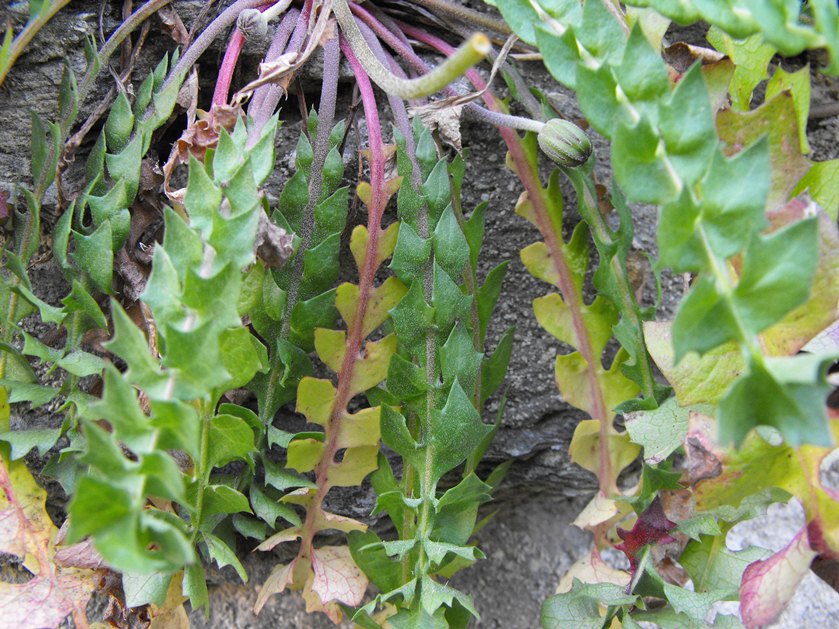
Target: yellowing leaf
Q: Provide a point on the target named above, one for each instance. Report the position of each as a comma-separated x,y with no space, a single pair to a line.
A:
372,368
585,448
524,207
325,521
695,380
537,259
758,465
360,429
380,301
354,467
592,569
280,577
331,345
777,119
554,315
600,510
305,454
822,184
359,244
26,531
286,535
798,84
170,615
572,379
798,327
315,398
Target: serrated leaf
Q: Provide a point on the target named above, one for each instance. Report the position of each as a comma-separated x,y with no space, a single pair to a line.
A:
777,273
580,607
221,499
230,439
712,566
775,120
705,302
94,254
786,393
639,170
750,56
661,431
451,251
459,360
224,555
269,509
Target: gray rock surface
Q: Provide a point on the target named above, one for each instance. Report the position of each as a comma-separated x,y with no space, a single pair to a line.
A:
530,541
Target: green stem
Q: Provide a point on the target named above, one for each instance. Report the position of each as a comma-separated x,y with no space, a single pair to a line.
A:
29,232
26,35
464,14
605,242
114,41
470,279
470,53
748,342
409,477
201,473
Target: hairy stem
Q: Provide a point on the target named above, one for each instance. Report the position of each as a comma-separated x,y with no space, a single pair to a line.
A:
326,118
498,119
465,14
20,42
288,37
469,54
114,41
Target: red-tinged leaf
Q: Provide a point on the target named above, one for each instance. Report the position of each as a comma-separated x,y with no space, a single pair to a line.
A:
26,531
805,322
40,602
652,527
337,578
777,119
769,584
759,465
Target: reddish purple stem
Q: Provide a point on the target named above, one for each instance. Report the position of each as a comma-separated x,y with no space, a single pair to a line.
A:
266,98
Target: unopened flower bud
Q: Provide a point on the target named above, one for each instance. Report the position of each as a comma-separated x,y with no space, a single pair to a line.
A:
253,24
564,142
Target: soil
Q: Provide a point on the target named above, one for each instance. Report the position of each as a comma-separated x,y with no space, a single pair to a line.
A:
530,541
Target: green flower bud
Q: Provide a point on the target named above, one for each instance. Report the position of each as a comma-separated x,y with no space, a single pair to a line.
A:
564,142
253,24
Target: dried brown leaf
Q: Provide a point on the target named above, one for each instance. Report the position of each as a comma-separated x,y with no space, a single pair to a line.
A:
173,25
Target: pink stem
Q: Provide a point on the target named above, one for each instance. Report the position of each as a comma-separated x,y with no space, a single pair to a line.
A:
267,97
228,66
355,333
